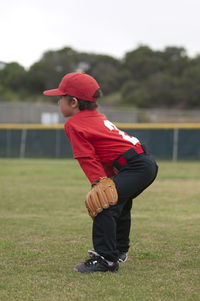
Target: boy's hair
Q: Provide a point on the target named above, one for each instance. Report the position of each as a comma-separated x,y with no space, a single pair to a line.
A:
87,105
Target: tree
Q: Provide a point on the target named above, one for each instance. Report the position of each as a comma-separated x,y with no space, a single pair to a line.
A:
13,77
105,69
133,93
161,87
156,91
13,82
189,87
144,77
175,60
48,72
143,62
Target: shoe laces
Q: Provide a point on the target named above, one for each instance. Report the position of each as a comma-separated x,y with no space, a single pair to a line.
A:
92,261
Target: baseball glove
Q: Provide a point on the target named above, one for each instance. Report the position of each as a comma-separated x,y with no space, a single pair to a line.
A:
101,196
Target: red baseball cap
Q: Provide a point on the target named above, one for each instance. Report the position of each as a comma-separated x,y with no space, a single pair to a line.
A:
79,85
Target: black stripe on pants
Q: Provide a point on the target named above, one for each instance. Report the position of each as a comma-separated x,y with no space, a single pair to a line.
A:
111,227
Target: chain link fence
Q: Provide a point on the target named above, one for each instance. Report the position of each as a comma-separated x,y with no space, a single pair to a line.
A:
165,141
37,130
49,114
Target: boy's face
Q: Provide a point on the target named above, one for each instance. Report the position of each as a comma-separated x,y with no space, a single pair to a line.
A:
68,108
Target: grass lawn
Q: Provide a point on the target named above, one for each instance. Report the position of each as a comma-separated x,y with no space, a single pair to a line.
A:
45,230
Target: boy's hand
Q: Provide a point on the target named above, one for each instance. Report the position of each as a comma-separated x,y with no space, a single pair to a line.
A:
101,196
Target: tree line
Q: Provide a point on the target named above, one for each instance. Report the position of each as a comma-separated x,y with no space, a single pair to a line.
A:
142,78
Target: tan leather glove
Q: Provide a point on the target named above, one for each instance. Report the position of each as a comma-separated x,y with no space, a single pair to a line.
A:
102,194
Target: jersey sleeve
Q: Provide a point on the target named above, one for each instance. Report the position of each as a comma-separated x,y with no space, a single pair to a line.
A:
92,168
84,151
80,145
108,168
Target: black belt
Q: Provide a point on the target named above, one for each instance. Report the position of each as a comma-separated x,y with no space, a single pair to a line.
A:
127,156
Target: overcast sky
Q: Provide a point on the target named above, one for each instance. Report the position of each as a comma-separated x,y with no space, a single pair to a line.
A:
28,28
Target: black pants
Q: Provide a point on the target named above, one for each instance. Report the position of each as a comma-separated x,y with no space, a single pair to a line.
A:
111,227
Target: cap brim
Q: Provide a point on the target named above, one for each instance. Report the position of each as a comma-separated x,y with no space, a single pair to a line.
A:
53,92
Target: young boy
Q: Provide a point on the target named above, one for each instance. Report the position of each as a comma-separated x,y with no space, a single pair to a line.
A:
104,151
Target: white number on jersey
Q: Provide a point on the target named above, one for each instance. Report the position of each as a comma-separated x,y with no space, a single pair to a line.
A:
125,136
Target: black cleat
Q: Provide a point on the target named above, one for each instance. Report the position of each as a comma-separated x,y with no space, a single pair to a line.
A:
122,257
96,264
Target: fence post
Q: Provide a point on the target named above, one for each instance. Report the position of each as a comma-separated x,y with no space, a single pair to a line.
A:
8,143
57,143
23,143
175,144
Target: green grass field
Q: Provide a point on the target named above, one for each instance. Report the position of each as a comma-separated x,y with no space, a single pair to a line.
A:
45,231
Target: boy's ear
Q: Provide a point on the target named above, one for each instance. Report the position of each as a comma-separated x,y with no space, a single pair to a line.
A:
74,102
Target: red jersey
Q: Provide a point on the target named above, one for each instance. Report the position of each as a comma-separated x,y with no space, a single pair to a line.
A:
97,142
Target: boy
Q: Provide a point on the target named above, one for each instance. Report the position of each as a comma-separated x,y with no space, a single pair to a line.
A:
103,151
